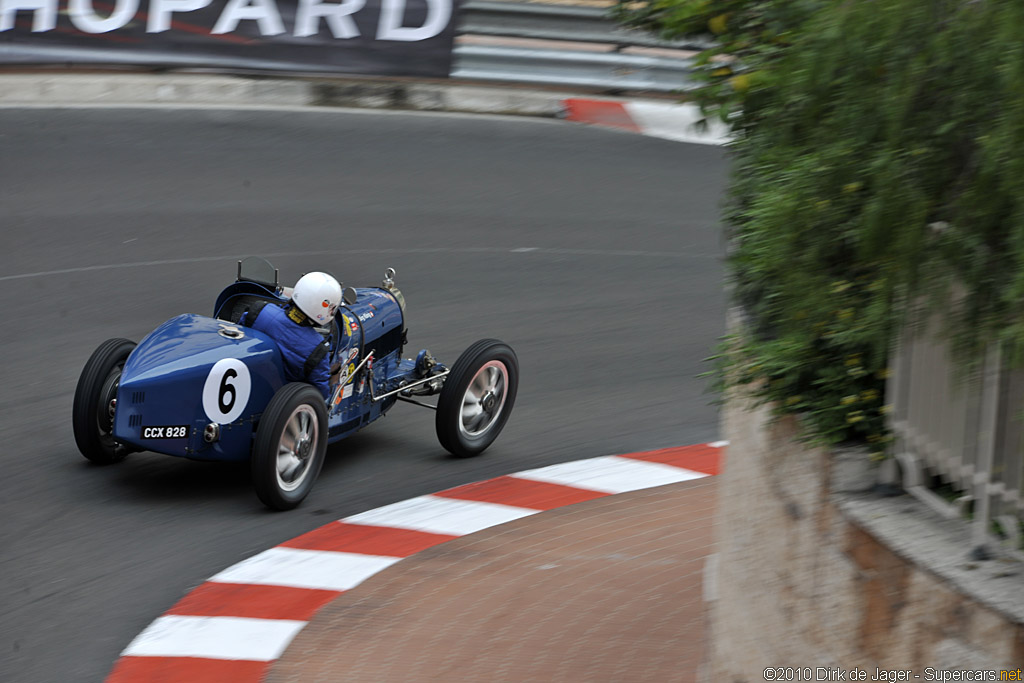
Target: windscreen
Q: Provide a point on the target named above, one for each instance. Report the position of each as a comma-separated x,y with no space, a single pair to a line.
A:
256,269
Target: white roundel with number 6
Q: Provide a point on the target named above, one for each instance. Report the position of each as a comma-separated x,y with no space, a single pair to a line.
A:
226,390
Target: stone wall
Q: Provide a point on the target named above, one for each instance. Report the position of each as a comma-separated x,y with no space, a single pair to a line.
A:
811,570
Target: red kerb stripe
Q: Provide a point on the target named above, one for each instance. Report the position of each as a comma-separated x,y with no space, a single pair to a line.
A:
369,540
258,602
698,458
536,495
186,670
600,112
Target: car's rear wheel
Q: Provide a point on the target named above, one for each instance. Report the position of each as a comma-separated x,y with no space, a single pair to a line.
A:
291,442
477,397
95,399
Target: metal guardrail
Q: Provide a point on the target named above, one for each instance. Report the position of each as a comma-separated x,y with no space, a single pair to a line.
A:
558,22
966,429
612,70
607,71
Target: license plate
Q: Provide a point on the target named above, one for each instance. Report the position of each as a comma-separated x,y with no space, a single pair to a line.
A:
172,432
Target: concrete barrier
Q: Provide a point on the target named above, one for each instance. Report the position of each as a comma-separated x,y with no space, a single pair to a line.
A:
816,569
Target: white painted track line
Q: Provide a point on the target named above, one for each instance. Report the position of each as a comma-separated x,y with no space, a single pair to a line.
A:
260,640
441,515
316,569
676,122
610,474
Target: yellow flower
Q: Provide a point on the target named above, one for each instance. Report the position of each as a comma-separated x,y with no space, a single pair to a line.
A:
718,24
852,187
849,400
853,358
740,82
854,417
869,395
886,409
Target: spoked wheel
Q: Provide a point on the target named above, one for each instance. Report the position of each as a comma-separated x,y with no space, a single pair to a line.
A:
291,442
95,400
477,397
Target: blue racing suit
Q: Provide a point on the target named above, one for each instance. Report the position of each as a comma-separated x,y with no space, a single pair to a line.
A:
306,354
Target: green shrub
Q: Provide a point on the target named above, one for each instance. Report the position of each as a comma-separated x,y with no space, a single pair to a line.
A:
878,159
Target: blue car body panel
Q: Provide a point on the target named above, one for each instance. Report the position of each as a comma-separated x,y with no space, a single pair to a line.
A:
195,370
163,381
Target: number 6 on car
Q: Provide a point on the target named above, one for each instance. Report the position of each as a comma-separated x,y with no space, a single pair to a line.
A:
210,388
226,392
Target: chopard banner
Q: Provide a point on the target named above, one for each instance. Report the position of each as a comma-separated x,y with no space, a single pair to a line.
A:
371,37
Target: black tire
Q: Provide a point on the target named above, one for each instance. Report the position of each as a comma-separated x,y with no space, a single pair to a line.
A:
300,409
490,368
97,387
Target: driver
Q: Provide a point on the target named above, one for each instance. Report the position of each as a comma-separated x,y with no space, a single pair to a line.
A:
305,352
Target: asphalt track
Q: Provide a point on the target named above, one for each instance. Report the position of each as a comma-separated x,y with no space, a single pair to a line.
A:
595,254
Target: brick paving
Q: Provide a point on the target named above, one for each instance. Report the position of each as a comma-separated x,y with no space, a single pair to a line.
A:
604,590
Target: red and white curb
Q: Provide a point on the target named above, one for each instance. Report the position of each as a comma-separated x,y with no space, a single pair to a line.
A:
236,624
670,121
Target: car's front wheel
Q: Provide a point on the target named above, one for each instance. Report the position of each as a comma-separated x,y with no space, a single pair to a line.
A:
92,416
291,443
477,397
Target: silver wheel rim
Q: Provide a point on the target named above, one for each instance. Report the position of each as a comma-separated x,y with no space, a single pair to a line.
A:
484,399
296,447
105,405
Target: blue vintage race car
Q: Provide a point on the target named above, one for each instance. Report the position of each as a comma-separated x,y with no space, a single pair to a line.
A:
210,388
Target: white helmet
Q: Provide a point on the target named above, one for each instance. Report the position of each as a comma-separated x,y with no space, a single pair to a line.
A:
318,296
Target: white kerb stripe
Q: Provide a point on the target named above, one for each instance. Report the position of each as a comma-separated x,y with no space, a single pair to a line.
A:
260,640
610,474
322,569
441,515
676,122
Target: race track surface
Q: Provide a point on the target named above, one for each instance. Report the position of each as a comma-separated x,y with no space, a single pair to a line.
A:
595,254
